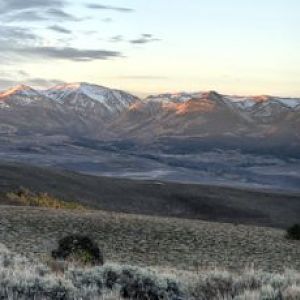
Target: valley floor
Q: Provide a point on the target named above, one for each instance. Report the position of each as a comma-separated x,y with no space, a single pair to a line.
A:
151,241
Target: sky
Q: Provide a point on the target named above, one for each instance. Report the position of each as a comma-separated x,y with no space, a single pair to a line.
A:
146,47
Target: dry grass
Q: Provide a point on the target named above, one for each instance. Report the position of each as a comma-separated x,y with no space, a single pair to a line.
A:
25,197
151,241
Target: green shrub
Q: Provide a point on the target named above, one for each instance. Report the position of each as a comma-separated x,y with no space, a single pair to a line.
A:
293,232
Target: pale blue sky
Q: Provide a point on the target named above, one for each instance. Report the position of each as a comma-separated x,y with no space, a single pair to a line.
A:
232,46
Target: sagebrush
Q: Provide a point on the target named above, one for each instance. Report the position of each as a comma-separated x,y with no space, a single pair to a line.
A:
22,278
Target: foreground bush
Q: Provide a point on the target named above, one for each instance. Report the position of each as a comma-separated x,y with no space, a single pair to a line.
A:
78,248
26,197
21,278
293,232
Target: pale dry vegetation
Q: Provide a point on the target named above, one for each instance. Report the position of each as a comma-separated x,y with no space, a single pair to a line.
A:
147,258
25,197
22,278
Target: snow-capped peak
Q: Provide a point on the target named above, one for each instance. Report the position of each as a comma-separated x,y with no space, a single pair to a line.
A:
249,102
17,90
84,96
180,97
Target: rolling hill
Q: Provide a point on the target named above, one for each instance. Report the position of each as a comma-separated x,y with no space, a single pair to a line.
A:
155,197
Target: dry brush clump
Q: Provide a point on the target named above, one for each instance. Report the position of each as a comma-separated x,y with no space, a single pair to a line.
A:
26,197
22,278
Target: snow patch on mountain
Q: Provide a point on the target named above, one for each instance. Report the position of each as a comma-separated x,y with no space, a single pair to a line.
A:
263,101
84,95
174,98
289,102
19,95
19,90
240,102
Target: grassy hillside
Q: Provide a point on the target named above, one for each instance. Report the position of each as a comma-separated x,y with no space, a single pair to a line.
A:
155,198
151,241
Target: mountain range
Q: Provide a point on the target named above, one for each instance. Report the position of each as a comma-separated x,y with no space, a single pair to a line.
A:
82,109
199,137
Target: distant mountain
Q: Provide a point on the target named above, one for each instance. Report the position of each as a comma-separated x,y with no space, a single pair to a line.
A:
24,111
71,109
201,114
82,109
206,114
91,100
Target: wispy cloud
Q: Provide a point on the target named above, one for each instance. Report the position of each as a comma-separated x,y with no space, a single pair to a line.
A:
12,5
14,36
108,7
17,43
34,10
9,78
25,16
35,82
69,53
144,39
60,29
61,14
117,38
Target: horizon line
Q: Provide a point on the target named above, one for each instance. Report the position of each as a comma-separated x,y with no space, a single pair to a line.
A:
145,94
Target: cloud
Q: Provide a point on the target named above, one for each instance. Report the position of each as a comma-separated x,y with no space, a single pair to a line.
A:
36,16
25,43
22,73
34,10
12,77
108,7
60,29
12,36
69,53
5,83
25,16
144,39
117,38
40,82
61,14
11,5
17,44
